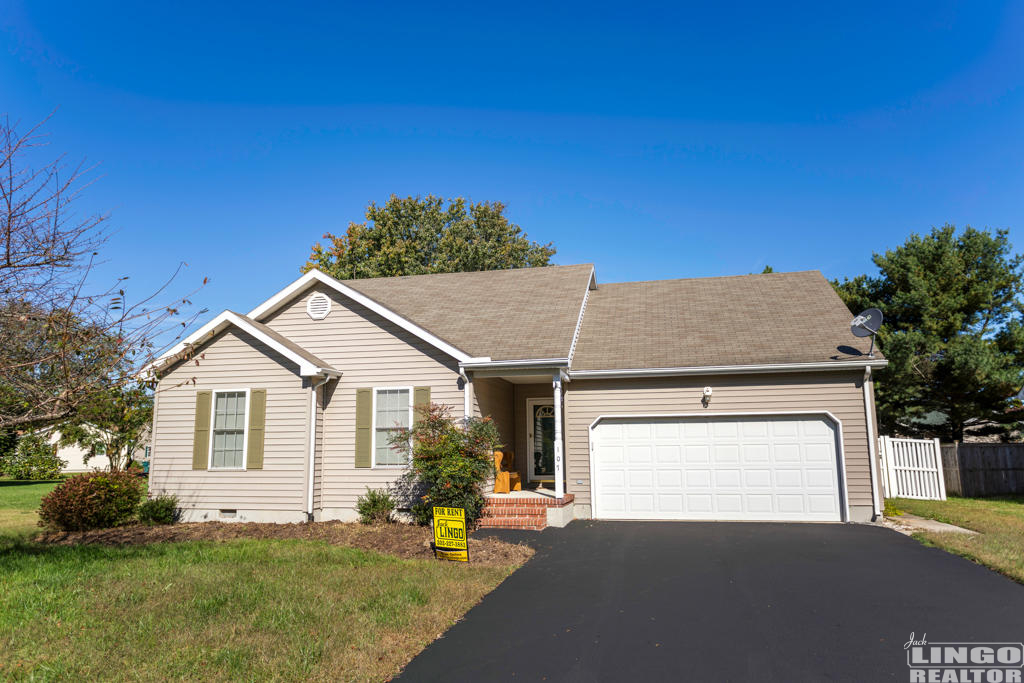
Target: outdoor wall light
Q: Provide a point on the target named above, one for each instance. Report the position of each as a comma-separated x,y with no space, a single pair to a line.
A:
706,399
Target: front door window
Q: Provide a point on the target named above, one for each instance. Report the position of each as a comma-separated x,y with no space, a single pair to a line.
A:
542,465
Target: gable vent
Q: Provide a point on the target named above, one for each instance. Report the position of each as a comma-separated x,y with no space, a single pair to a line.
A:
318,306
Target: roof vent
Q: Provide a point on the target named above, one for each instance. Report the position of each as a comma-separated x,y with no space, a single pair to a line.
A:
318,306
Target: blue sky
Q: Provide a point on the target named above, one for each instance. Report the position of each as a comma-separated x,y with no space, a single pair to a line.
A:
655,142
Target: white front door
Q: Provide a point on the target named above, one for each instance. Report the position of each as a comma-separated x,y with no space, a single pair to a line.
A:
729,468
540,439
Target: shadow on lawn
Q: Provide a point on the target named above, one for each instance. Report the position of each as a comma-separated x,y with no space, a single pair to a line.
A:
29,482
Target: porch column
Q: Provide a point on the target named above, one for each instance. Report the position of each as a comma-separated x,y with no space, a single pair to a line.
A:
559,460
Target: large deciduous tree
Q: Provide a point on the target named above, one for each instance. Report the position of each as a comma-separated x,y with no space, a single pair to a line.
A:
418,235
62,340
954,331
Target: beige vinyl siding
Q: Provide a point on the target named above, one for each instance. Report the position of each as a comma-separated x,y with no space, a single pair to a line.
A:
494,397
233,360
839,393
369,351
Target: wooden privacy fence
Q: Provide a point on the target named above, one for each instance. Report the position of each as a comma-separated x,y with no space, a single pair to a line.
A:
984,469
912,468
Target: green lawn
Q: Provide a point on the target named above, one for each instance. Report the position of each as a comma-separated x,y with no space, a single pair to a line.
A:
237,610
999,521
19,501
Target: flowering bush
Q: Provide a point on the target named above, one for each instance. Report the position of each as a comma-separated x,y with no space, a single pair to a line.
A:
450,461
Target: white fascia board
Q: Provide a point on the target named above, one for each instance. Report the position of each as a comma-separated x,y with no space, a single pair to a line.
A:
488,364
226,319
583,309
313,276
728,369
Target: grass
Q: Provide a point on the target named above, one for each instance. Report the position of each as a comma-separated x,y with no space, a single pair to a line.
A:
19,501
999,522
238,610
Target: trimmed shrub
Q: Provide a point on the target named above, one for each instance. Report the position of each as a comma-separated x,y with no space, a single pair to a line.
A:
162,509
33,458
97,500
375,507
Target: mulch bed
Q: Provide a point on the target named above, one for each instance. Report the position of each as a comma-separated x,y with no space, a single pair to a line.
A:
402,540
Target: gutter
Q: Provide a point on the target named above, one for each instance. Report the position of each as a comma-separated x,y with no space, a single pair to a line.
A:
728,369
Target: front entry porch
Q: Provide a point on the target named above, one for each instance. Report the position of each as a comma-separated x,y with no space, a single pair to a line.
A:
530,489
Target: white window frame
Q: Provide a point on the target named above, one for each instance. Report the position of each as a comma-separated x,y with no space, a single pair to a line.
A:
373,445
245,430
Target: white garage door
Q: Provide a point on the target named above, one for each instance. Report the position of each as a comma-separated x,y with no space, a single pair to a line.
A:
749,468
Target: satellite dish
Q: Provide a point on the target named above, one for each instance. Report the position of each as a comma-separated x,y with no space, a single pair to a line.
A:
867,324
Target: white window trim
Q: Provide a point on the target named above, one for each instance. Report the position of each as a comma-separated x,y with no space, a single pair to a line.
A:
373,444
245,430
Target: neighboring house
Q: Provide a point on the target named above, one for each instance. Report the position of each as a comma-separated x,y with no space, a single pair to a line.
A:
674,399
74,455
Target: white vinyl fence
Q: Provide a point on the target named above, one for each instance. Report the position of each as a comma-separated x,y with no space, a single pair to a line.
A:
912,468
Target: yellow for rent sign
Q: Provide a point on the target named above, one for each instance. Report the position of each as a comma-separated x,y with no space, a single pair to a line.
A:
450,541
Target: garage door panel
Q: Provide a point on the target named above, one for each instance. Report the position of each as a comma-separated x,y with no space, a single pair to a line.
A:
818,453
784,452
698,454
670,503
758,478
698,479
756,453
729,503
819,479
756,468
670,454
640,479
699,503
670,479
639,454
727,479
726,454
610,455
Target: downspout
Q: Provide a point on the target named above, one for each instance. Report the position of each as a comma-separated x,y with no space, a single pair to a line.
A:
312,445
467,396
872,453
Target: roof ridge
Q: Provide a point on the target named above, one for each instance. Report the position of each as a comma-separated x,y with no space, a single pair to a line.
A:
466,272
711,277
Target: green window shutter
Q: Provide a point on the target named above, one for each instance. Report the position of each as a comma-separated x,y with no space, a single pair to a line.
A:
257,423
201,433
420,399
364,427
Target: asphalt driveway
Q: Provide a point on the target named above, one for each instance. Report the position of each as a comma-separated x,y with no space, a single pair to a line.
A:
622,601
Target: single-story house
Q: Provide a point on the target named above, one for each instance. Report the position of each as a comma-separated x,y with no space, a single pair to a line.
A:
725,398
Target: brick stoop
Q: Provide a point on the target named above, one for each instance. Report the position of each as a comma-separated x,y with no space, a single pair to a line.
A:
519,512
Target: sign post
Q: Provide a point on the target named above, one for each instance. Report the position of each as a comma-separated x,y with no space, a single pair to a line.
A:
450,540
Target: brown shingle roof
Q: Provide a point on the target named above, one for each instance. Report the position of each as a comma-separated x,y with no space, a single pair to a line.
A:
286,342
744,320
505,314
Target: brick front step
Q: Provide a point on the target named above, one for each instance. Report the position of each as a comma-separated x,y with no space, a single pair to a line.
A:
519,512
514,510
532,522
544,501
